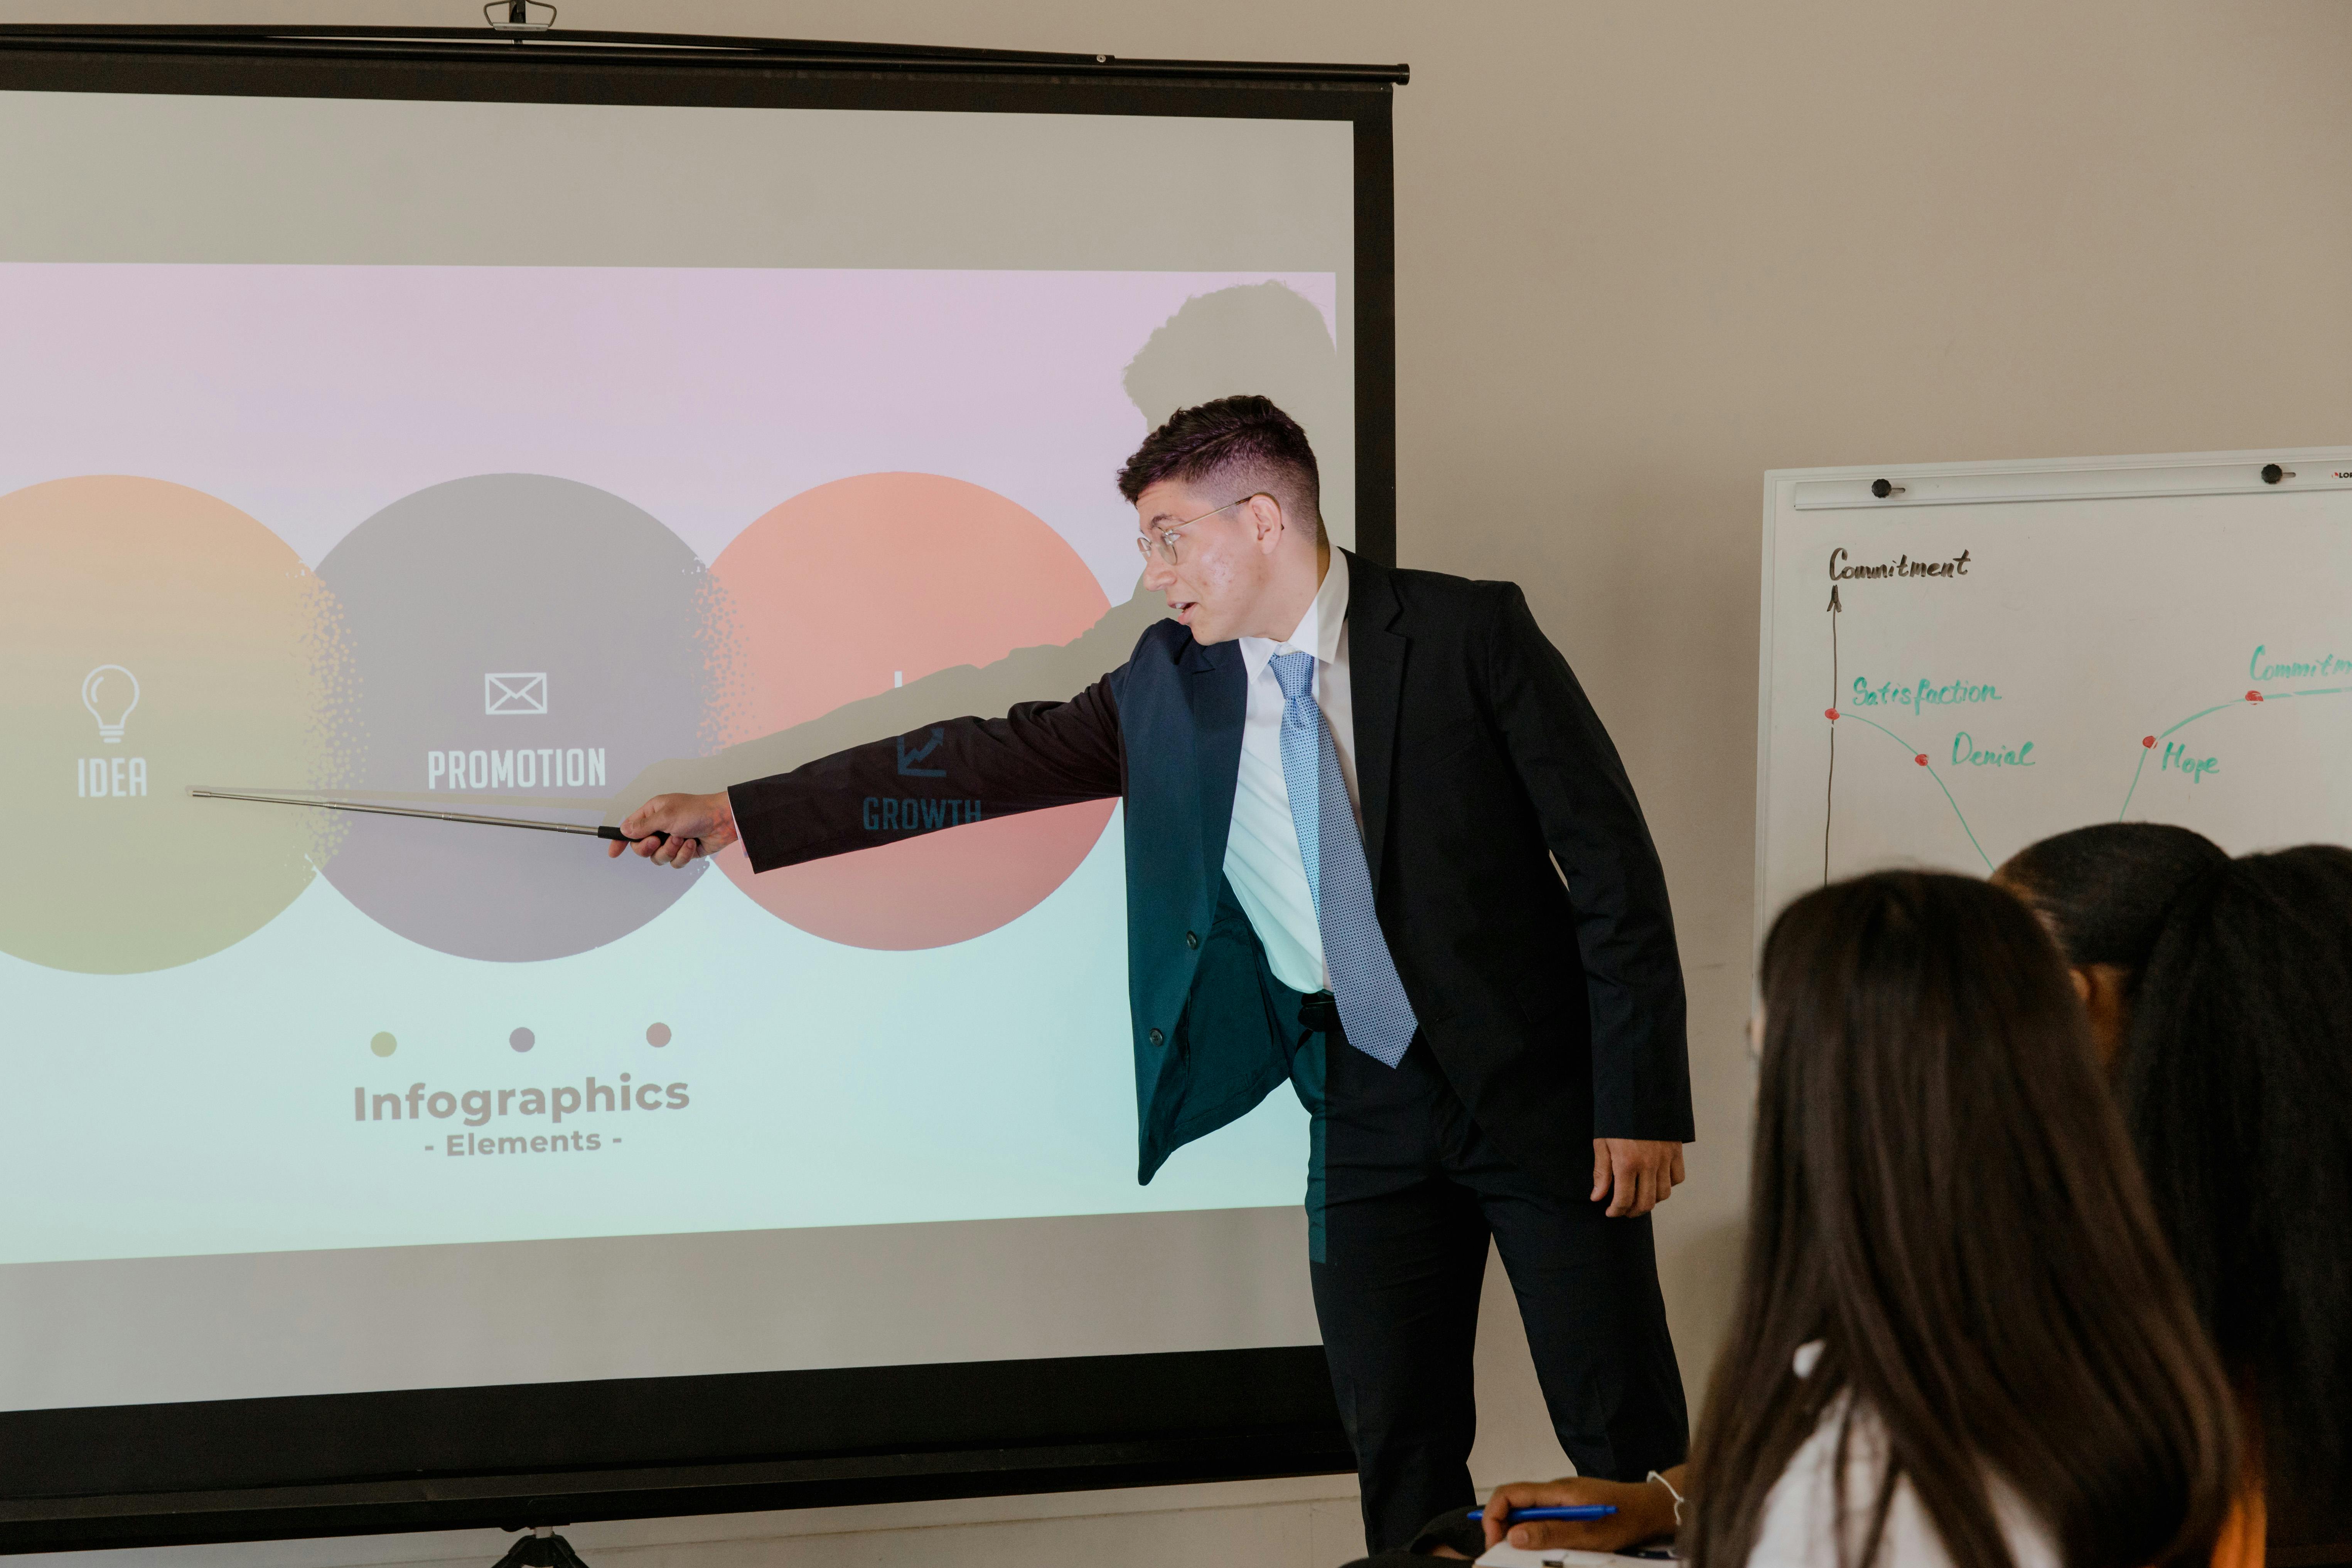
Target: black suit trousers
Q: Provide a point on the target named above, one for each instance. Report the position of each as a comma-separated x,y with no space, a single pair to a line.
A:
1403,1192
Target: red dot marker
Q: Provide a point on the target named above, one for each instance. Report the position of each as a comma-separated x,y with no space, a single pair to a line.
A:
1830,714
1921,758
2253,697
2148,741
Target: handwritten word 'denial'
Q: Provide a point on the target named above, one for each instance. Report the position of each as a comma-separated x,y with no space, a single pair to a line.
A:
1966,752
1902,566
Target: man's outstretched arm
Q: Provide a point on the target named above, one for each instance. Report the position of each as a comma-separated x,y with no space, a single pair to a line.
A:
1039,754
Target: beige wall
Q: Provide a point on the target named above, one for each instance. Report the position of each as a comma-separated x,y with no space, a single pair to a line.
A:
1646,251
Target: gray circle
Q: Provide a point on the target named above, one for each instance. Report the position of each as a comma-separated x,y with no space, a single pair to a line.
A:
522,1040
657,1035
526,626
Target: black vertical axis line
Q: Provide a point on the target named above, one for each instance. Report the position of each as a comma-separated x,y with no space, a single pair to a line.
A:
1829,803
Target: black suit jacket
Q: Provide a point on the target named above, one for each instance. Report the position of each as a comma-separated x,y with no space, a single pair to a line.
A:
1515,878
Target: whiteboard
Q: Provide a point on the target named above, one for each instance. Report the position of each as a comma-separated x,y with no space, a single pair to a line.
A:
1994,652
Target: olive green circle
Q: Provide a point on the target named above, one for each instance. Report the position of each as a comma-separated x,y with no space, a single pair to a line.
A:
383,1044
120,587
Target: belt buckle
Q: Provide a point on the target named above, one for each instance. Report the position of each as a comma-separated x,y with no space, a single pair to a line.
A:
1319,1011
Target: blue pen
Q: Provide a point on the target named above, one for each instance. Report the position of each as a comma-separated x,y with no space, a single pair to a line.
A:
1576,1510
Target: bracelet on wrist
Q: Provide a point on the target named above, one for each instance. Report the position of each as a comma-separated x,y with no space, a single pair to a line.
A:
1662,1480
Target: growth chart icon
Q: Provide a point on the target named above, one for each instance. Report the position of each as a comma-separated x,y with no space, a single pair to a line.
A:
109,692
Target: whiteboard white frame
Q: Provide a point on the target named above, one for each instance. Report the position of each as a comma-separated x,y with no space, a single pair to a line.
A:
2016,482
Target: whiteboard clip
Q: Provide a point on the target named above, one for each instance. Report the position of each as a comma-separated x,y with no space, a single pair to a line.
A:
1882,488
2273,473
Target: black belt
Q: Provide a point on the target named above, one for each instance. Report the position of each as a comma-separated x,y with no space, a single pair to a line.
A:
1319,1012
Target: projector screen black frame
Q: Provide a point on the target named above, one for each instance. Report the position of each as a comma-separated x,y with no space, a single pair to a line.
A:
619,1448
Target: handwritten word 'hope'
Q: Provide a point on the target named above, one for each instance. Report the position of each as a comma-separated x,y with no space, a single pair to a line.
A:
2177,759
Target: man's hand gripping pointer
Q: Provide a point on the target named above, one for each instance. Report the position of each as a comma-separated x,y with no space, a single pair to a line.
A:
696,825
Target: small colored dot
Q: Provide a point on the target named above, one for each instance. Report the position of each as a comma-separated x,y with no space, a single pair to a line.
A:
2253,697
2148,741
1921,758
1830,714
657,1035
383,1044
522,1040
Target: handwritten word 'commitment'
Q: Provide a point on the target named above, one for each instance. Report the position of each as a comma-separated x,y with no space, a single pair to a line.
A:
2260,668
1904,566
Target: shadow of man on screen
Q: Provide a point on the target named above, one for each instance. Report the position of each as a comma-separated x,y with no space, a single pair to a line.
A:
1263,337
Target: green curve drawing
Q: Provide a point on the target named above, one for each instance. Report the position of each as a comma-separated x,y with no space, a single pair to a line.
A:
2251,699
1915,754
1962,818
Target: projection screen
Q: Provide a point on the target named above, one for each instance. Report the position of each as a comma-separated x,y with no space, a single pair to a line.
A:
526,428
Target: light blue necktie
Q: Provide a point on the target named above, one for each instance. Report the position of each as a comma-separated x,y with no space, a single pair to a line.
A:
1374,1008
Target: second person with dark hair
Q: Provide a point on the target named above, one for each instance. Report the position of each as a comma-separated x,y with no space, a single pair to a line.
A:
1379,845
2102,892
2236,1080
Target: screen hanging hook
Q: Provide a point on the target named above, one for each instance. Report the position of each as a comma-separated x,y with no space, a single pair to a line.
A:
518,18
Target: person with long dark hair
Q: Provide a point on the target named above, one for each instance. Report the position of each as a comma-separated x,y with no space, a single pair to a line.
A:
2103,891
2236,1083
1959,1336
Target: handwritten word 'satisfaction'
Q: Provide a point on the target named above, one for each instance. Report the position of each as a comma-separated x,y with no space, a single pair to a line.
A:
1920,694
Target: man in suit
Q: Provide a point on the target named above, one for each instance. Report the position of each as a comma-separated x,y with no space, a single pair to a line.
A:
1380,846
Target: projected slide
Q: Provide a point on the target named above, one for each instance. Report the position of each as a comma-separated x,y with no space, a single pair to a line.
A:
540,540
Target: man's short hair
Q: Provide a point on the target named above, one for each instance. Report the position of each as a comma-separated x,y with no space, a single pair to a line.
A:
1243,442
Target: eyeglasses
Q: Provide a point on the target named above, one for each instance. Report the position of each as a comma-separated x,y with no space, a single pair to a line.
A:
1165,539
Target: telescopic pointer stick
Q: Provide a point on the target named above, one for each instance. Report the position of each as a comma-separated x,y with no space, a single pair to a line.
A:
598,832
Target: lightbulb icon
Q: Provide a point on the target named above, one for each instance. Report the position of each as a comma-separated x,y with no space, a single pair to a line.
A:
109,689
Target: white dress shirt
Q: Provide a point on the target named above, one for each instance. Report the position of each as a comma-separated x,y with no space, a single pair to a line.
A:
1802,1521
1262,857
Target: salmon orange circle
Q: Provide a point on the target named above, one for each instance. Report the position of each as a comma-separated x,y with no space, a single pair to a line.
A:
856,586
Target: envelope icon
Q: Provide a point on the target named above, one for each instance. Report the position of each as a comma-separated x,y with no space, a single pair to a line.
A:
515,693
